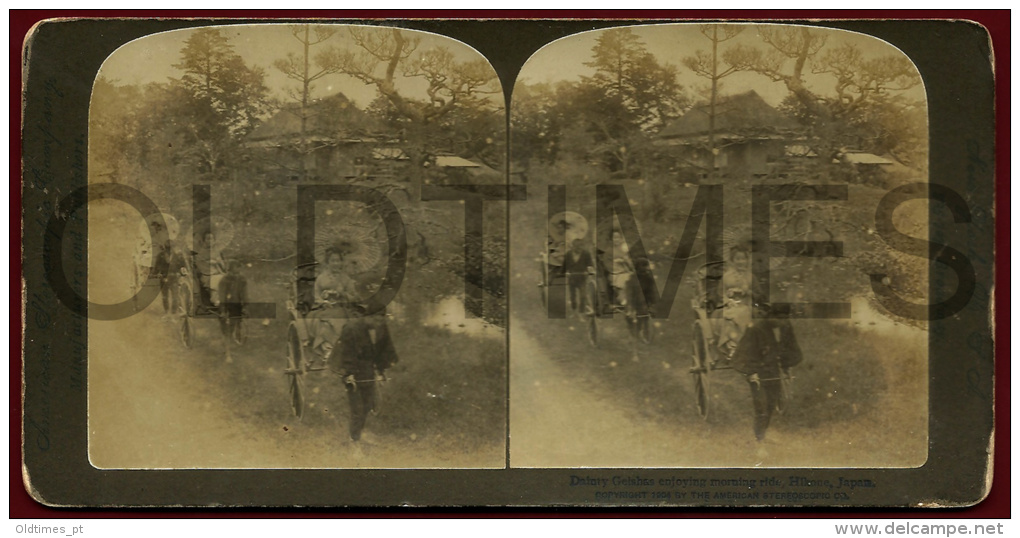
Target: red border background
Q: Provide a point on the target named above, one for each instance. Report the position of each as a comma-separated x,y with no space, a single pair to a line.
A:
997,22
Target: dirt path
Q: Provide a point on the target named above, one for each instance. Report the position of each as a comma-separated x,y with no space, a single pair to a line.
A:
560,419
150,408
155,404
144,413
860,396
145,410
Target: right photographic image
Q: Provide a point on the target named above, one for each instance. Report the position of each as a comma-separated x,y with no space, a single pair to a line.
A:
717,264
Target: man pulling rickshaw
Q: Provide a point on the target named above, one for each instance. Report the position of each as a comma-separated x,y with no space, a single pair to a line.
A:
363,354
331,327
766,353
158,258
731,332
209,284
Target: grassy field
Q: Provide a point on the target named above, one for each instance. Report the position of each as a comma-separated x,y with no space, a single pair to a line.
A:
444,402
862,385
860,395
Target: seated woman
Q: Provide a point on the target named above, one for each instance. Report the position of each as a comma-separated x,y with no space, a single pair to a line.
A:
333,288
736,278
210,266
621,269
735,315
334,284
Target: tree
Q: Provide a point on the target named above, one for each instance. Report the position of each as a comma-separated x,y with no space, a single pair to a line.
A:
436,102
220,98
112,126
785,43
630,96
134,136
299,69
534,125
643,93
865,97
707,66
381,53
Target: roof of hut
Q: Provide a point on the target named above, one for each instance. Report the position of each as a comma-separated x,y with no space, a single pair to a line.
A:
744,115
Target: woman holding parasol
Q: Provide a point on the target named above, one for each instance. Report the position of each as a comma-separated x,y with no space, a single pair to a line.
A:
345,252
737,284
334,283
212,235
157,256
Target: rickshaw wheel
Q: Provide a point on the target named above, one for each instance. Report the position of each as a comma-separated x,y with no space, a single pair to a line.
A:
543,287
699,371
185,309
295,371
241,332
645,329
591,313
785,392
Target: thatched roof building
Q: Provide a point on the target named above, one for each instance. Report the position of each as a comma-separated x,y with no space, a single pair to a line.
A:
749,134
742,116
339,141
330,120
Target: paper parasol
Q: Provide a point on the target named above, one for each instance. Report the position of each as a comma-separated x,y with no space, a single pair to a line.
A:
567,226
221,228
154,231
360,247
737,236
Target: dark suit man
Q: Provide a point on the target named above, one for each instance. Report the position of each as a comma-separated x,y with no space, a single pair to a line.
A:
764,354
362,356
233,296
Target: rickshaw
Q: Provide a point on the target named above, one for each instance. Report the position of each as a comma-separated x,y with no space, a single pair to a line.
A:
596,299
303,355
158,232
196,298
719,323
564,228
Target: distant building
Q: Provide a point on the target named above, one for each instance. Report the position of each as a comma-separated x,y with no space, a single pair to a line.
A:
861,159
340,142
749,134
865,167
454,169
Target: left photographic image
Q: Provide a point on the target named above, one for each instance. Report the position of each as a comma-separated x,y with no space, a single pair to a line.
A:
297,287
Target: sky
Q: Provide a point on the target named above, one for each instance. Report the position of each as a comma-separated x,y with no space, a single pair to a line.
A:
151,59
670,43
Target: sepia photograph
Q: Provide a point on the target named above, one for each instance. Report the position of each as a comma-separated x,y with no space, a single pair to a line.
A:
692,278
515,263
298,299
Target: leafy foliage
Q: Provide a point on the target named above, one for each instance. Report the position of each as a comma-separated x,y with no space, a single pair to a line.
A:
630,85
865,108
300,69
607,118
218,100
